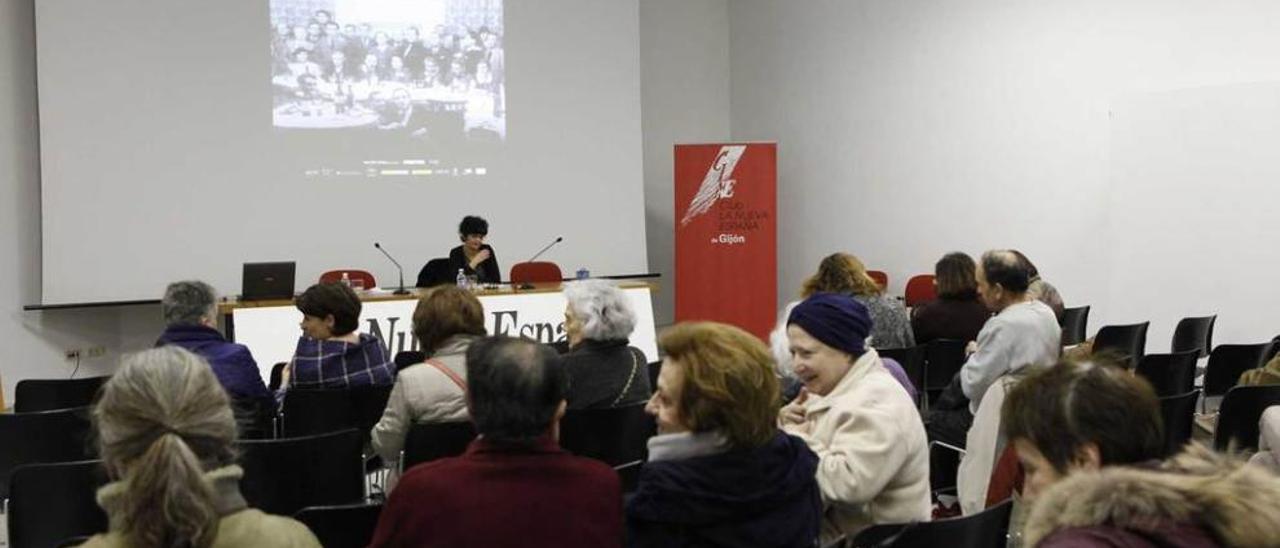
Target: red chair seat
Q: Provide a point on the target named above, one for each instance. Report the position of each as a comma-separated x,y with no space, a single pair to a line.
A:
535,272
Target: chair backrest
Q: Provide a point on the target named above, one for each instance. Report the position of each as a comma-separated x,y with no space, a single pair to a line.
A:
307,412
881,277
52,502
1228,361
912,361
1075,321
920,289
1178,413
1194,334
277,376
367,405
362,277
426,442
535,272
342,526
1239,415
33,395
1169,374
654,369
1129,341
981,530
436,272
616,436
43,437
943,358
283,476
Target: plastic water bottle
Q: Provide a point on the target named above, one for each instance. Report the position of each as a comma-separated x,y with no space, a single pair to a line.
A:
346,279
462,279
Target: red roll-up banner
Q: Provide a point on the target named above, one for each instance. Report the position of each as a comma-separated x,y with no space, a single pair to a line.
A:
726,234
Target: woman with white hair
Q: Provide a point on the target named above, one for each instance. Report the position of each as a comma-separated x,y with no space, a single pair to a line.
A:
166,435
604,370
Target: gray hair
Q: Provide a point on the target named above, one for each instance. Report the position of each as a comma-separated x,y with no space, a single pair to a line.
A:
188,302
602,308
162,422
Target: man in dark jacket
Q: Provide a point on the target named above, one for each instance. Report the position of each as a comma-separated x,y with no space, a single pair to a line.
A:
514,486
190,311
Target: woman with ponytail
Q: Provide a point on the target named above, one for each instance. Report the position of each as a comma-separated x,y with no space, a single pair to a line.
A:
166,434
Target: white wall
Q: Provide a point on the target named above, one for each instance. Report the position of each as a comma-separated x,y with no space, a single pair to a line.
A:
684,98
909,128
34,342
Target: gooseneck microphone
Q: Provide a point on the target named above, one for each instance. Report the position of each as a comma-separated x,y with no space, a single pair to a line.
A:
544,250
402,290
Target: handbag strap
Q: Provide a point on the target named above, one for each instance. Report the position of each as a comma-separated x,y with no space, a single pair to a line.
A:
635,364
449,372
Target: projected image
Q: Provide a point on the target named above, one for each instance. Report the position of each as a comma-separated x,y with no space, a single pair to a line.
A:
423,70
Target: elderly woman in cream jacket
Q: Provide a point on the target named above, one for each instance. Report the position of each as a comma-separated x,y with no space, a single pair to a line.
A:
445,322
873,458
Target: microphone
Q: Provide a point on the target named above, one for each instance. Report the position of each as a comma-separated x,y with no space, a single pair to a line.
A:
544,250
402,290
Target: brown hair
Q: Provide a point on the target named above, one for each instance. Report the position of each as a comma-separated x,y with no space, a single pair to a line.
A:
840,273
729,383
443,312
334,299
1094,400
955,273
162,422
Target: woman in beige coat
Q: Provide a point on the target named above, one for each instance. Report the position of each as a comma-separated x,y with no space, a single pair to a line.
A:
445,322
873,459
166,433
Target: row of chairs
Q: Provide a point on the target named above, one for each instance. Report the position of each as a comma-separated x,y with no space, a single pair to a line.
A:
930,366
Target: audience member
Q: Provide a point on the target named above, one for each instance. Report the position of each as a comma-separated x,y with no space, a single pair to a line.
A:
873,459
330,352
1268,455
1076,426
447,320
474,257
604,370
720,473
515,473
1023,333
957,313
190,310
166,436
1041,290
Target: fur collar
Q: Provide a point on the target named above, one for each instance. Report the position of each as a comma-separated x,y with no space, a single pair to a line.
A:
1237,504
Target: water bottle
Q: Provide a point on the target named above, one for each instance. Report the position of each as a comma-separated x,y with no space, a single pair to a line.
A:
346,279
462,279
583,273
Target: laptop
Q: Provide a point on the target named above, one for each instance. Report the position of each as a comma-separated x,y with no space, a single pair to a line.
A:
267,281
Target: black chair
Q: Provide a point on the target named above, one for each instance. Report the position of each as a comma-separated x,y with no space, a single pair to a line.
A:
982,530
286,475
1074,324
436,272
408,358
943,359
307,412
367,405
1169,374
277,376
50,503
1228,361
33,395
1194,334
629,475
654,369
615,436
1239,415
1128,341
912,361
1178,413
43,437
426,442
342,526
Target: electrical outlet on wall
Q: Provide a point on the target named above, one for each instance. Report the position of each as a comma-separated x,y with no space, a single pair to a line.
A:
97,352
73,354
